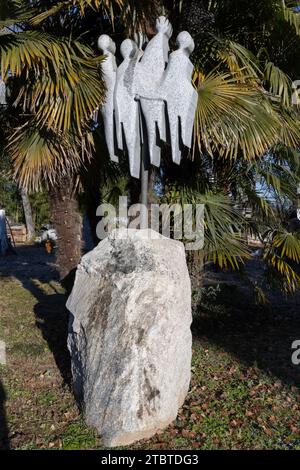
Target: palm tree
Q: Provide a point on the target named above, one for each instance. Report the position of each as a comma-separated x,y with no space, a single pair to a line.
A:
244,115
243,109
56,85
55,82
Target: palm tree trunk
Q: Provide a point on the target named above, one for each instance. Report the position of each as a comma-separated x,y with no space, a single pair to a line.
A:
28,215
67,222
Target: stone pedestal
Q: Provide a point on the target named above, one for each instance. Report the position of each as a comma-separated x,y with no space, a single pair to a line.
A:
129,334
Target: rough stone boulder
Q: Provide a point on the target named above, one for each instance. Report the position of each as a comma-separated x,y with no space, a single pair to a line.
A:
129,334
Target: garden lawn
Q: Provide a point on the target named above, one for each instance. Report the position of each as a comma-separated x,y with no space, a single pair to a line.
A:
244,392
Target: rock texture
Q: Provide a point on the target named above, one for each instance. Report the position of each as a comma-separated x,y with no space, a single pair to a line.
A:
129,334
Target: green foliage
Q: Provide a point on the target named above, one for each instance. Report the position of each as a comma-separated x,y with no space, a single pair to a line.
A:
222,224
282,255
245,128
11,201
78,436
40,209
290,15
58,86
134,14
236,117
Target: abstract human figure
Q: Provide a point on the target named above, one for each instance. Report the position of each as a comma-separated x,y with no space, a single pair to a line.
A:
109,68
150,71
180,95
127,108
152,90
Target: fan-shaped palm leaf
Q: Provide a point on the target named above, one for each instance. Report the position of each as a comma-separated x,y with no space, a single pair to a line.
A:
291,16
238,59
41,156
134,14
279,83
289,245
61,80
223,243
233,116
81,5
282,253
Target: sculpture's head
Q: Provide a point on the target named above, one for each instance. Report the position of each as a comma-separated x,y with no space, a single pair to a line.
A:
128,49
186,42
106,44
164,26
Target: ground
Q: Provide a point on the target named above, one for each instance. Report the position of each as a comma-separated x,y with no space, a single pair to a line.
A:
244,392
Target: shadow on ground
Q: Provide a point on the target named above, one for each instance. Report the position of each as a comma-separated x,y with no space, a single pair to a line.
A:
52,320
35,269
257,335
4,441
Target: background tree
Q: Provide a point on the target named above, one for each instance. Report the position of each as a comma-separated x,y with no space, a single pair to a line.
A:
56,86
243,116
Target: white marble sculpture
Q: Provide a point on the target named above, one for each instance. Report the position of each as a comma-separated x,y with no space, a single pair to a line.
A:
178,92
127,108
150,71
109,68
150,96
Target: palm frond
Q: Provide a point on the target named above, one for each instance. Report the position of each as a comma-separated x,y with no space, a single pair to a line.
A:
291,16
289,245
277,179
40,156
81,6
279,83
282,254
140,15
238,59
235,117
136,15
223,243
258,202
14,12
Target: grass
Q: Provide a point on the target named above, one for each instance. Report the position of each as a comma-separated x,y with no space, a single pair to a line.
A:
243,394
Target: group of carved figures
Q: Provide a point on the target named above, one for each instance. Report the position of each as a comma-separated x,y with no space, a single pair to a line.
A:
149,96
